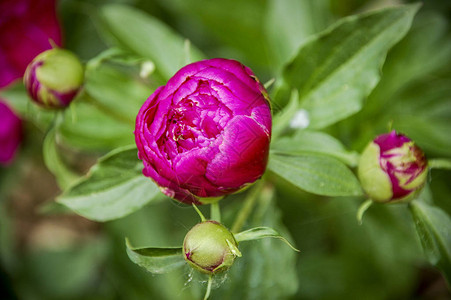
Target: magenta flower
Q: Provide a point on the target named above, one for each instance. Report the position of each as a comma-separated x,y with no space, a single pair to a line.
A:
10,133
206,133
392,168
26,28
54,78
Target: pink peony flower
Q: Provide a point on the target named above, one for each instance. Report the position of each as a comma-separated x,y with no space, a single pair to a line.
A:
392,168
10,133
26,28
206,133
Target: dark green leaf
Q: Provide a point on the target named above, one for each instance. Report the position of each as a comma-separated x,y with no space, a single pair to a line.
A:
238,31
317,142
317,174
290,22
433,228
423,113
337,69
156,260
406,61
148,37
114,187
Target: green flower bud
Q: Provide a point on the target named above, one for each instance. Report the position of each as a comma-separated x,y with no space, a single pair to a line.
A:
392,168
54,78
210,247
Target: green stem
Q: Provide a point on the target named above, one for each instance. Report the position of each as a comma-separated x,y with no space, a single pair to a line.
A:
440,163
52,159
202,218
248,205
362,209
207,293
215,212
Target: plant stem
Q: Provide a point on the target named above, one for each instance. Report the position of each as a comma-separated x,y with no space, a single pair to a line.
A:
215,212
202,218
207,293
440,163
249,203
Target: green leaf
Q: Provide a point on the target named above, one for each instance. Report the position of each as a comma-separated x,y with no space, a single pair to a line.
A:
260,233
113,188
89,127
433,227
20,102
290,22
121,93
156,260
239,32
148,37
64,176
338,68
406,62
317,174
316,142
423,112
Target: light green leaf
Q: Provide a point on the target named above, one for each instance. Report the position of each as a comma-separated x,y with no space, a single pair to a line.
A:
64,176
316,173
317,142
103,116
156,260
87,126
113,188
148,37
121,93
260,233
434,230
20,102
338,68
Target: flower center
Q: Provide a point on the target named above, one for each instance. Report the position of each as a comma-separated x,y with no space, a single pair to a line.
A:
194,121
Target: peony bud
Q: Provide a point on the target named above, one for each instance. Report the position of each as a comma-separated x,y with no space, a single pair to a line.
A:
54,78
210,247
10,134
392,168
206,133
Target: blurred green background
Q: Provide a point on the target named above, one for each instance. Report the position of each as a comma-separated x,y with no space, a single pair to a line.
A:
48,254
